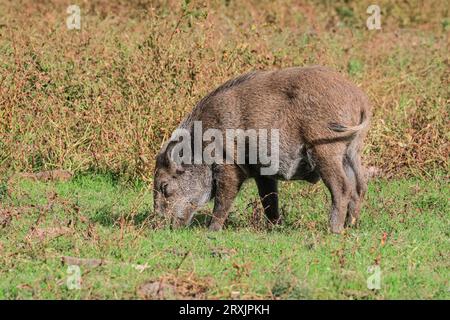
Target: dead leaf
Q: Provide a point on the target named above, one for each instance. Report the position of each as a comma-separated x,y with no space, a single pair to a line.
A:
235,295
44,176
92,263
384,238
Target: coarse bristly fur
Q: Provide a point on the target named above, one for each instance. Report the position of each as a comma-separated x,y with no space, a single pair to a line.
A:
322,120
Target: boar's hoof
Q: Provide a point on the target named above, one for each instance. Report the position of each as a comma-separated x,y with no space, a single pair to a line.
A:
337,229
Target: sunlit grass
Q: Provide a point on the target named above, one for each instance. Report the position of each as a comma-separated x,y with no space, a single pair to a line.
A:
404,230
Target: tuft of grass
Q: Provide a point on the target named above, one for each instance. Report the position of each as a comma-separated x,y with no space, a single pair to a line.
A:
446,24
404,230
355,67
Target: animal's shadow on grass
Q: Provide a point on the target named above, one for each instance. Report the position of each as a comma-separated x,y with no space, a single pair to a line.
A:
113,178
107,218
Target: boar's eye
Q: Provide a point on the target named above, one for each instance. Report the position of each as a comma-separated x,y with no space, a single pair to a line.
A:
165,190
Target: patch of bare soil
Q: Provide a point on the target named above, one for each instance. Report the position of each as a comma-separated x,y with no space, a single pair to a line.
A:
43,176
93,263
172,286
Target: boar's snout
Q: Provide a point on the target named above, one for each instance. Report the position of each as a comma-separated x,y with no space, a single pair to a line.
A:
172,211
180,189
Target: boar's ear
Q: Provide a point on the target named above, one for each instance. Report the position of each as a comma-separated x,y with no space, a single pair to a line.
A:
177,167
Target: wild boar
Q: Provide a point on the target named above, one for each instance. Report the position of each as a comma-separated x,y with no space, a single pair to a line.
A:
320,120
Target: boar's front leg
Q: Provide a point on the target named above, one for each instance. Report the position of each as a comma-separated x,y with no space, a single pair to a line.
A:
228,181
268,192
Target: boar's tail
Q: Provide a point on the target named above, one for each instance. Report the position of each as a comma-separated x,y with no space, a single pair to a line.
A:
350,129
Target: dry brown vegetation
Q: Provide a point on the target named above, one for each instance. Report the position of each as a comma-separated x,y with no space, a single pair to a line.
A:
106,96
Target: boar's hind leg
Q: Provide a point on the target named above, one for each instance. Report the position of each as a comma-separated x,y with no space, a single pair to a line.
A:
330,160
354,170
353,204
268,192
228,181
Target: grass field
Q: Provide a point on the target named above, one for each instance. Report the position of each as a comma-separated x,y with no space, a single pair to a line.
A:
404,230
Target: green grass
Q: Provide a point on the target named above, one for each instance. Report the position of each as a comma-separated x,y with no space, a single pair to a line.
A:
404,229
